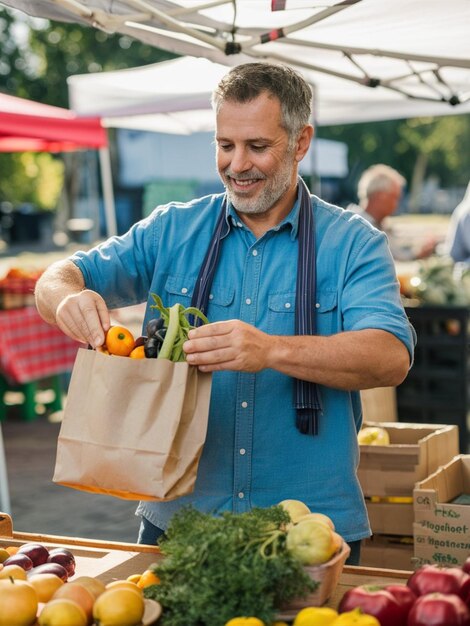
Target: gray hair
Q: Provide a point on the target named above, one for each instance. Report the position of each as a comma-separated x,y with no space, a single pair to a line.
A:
376,178
247,81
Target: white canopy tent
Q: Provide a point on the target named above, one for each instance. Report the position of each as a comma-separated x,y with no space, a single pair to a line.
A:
387,58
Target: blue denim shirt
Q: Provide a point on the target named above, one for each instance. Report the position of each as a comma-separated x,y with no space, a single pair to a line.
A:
254,455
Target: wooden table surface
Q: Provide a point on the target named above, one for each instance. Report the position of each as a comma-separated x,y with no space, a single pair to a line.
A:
110,560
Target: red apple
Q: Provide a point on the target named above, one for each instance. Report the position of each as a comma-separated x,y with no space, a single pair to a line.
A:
49,568
36,552
64,557
22,560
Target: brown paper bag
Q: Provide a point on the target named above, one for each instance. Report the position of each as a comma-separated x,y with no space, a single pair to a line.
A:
132,428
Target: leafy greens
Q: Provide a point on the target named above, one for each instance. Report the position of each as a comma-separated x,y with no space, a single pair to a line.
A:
216,568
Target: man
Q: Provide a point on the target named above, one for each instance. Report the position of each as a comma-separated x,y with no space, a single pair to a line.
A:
278,346
379,191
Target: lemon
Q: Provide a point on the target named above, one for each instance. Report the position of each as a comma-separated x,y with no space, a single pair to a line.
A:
315,616
62,612
123,584
119,607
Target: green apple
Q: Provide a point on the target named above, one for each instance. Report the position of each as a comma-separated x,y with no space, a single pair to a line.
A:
311,542
295,508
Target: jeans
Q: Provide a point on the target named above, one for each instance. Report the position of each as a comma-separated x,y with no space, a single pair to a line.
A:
149,534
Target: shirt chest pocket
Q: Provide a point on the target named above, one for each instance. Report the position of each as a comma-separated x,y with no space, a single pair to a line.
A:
179,289
281,313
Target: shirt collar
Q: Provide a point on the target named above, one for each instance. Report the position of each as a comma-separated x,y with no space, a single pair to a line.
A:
292,219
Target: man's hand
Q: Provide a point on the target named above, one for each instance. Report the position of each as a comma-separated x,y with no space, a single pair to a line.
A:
84,317
231,345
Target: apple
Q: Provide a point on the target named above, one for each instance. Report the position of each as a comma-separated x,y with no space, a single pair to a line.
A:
50,568
311,542
373,436
36,552
295,508
19,603
64,557
319,517
22,560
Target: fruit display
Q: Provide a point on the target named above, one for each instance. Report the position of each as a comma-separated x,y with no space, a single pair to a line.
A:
231,570
433,596
165,336
245,566
42,594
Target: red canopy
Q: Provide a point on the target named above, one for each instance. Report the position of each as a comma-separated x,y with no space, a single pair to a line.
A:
30,126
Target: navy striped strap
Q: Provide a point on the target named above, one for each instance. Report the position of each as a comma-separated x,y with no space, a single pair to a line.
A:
307,401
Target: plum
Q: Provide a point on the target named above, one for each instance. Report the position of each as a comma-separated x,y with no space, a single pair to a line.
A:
22,560
63,557
36,552
49,568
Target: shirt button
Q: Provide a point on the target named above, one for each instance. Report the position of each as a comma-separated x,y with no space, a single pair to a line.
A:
184,290
248,301
287,305
317,306
241,495
244,404
239,224
211,296
255,253
242,451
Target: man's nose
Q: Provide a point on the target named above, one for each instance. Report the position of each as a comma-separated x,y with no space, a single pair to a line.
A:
240,161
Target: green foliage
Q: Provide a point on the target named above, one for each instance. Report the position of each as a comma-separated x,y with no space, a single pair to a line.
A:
445,142
31,178
216,568
36,57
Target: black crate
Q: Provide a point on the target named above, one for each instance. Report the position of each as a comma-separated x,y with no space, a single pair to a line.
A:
436,390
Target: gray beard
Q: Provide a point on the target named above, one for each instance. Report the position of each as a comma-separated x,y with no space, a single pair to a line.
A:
268,197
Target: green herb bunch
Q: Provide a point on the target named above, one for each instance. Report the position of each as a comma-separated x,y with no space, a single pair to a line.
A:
176,322
216,568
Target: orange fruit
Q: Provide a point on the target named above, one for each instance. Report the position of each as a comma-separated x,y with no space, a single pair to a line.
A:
138,353
134,578
119,340
148,578
12,550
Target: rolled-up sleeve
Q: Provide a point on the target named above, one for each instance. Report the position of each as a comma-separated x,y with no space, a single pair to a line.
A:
371,294
121,268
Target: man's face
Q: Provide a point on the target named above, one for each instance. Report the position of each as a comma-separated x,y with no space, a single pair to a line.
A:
389,200
253,159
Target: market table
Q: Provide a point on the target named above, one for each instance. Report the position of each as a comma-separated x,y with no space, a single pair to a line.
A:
30,351
110,560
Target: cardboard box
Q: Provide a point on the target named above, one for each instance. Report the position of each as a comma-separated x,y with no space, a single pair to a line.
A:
390,518
442,524
387,552
415,452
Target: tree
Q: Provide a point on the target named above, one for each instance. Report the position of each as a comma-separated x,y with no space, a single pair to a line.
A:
36,57
418,148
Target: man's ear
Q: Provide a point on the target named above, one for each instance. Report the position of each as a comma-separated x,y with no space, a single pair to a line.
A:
303,142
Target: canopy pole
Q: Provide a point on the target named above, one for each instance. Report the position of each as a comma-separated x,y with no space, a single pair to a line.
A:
108,196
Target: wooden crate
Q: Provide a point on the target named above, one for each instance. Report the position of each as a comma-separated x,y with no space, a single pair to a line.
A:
105,560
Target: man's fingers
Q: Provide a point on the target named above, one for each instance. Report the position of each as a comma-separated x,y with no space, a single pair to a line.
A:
84,317
209,330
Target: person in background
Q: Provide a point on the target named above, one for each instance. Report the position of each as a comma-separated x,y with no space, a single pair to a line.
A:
379,191
457,243
303,302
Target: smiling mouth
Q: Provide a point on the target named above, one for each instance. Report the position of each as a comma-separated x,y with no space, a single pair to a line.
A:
243,183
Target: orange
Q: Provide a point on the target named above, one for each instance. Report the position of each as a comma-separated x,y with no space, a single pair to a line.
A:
119,341
12,550
138,353
148,578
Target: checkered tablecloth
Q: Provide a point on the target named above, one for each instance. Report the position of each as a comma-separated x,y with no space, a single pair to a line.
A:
30,349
